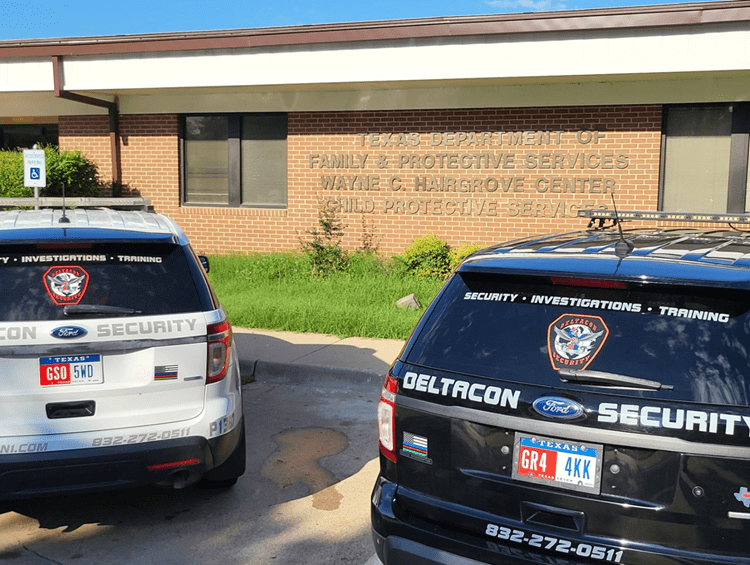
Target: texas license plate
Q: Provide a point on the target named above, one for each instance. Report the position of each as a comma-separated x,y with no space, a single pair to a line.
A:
70,370
563,464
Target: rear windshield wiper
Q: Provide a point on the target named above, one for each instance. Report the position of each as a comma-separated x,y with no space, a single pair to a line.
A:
600,378
73,309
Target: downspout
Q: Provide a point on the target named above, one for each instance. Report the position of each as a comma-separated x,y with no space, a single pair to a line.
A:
114,120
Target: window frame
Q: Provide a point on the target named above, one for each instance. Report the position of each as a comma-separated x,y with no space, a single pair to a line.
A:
739,153
234,167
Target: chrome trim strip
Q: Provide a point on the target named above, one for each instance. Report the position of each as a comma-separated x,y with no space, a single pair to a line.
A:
104,347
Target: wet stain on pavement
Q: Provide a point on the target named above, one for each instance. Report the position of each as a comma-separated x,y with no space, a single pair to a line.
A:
297,460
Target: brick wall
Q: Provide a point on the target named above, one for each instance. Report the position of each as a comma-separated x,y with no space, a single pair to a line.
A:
478,176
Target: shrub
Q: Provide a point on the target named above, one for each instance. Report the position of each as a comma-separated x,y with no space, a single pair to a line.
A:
324,249
370,241
11,175
71,168
427,256
458,254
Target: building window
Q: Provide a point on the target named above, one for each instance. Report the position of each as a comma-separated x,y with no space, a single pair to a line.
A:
27,135
705,158
235,160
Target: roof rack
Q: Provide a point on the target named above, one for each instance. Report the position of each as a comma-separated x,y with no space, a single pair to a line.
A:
620,215
117,203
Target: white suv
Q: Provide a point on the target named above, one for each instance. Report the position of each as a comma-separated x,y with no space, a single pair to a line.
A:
116,358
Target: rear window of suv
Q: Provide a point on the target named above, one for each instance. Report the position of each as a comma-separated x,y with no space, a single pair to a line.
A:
39,280
694,341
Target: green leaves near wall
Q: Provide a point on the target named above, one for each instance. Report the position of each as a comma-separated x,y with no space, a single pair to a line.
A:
78,174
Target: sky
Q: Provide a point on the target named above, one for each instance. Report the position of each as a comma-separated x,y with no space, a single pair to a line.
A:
41,19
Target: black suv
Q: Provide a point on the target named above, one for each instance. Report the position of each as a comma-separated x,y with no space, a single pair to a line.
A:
575,398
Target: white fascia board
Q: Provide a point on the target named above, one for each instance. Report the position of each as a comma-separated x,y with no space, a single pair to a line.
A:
698,88
708,48
26,75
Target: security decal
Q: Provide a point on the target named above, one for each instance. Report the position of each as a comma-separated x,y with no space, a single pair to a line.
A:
66,284
574,340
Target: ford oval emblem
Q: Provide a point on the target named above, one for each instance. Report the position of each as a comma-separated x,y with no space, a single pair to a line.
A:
558,407
69,332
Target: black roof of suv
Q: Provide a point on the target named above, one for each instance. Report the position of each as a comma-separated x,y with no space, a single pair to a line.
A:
563,401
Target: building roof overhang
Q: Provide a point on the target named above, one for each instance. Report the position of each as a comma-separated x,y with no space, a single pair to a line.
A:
669,15
675,53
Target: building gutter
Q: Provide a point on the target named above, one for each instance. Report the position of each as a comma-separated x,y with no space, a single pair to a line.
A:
665,15
114,120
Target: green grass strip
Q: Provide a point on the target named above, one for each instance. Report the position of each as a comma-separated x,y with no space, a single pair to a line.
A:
278,292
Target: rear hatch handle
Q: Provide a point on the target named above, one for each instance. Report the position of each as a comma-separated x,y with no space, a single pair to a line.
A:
601,378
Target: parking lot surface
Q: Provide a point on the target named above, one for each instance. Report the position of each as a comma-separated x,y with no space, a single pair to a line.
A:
304,499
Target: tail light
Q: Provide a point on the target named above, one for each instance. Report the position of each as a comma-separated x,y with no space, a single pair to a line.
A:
219,348
386,418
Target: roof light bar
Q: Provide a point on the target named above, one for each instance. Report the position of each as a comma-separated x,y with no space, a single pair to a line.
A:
122,202
665,216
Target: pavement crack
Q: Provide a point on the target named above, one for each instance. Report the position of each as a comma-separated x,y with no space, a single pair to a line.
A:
40,556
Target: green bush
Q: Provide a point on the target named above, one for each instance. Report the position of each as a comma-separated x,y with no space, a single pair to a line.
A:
72,169
458,254
69,168
11,175
427,256
324,249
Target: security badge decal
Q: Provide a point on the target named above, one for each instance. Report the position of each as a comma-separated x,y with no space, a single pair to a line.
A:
66,284
573,340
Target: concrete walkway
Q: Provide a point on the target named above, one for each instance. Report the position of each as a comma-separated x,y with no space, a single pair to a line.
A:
270,354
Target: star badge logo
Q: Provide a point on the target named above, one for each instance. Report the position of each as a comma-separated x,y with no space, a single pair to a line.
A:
573,340
743,496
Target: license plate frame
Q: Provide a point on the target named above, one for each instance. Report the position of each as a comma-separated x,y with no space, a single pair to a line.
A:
564,464
73,370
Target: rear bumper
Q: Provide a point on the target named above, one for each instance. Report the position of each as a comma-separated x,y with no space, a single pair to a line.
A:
394,550
170,463
403,538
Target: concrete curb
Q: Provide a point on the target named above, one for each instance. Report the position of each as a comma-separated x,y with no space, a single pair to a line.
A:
270,370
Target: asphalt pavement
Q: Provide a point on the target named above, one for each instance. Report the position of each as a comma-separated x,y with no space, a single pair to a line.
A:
312,461
273,356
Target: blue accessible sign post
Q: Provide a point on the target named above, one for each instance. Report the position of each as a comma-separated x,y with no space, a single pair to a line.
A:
34,170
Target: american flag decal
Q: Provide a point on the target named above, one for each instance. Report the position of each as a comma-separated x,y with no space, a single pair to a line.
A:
415,445
165,372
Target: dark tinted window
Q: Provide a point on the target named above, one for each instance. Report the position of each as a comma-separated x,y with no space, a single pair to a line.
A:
39,281
525,329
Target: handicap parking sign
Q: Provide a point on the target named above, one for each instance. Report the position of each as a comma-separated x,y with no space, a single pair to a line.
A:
34,168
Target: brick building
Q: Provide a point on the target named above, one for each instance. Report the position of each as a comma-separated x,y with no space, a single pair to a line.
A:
477,129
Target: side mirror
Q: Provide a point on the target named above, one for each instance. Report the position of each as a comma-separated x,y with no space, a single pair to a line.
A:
204,262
